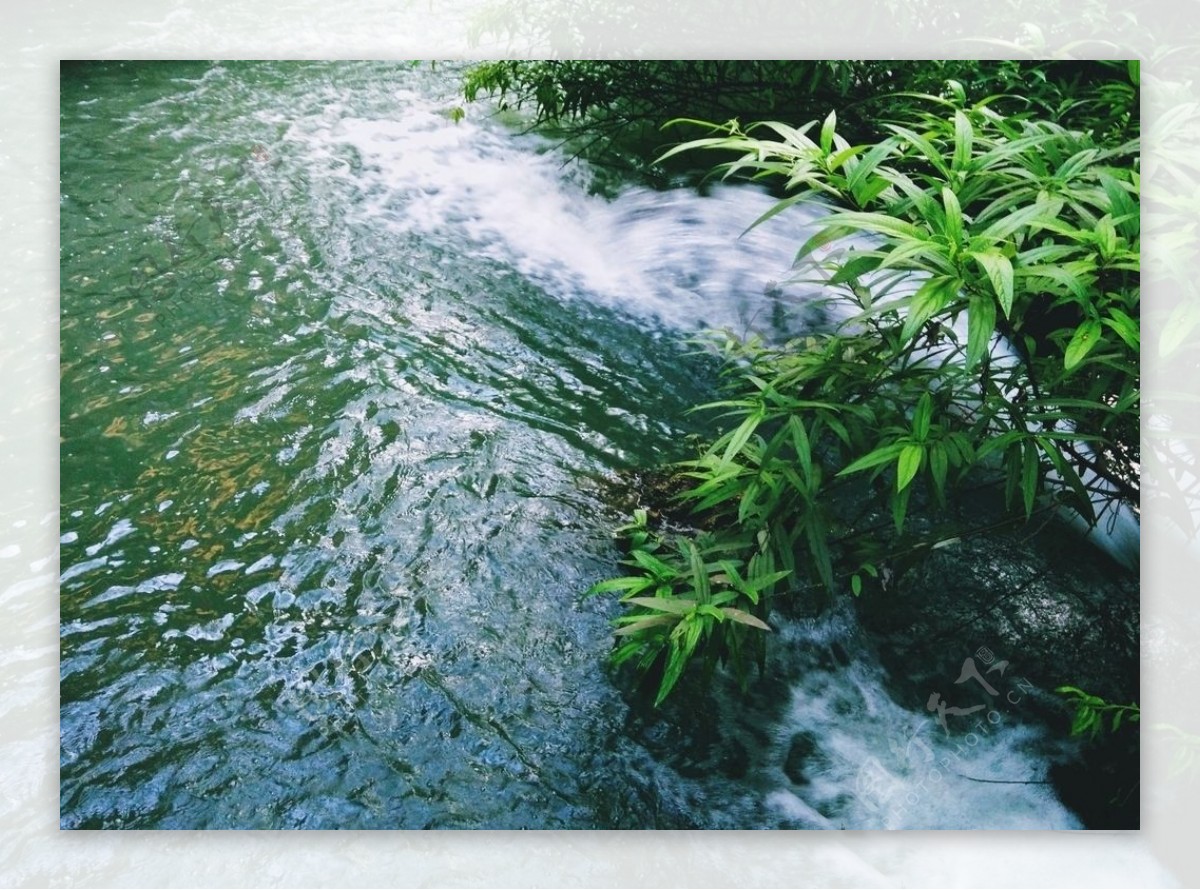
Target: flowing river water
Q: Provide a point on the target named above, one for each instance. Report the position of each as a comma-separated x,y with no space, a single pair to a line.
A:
345,385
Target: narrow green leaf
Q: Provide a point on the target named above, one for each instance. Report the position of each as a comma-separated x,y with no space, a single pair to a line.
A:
745,618
963,135
643,624
933,155
707,142
1023,217
676,605
1126,328
879,456
1075,164
858,180
801,444
932,297
1070,278
922,416
1086,336
761,582
1106,237
676,662
654,565
926,256
1082,502
827,129
998,443
856,584
875,222
899,508
826,235
699,572
845,156
907,465
776,209
924,202
629,583
938,466
853,268
819,548
1122,206
954,217
1082,720
999,271
740,437
1029,477
981,324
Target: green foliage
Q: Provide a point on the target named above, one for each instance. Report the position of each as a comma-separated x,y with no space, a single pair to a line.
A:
687,597
611,110
1025,228
969,225
614,107
560,90
1091,712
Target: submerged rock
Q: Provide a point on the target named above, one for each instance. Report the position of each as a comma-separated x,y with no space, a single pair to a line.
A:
803,757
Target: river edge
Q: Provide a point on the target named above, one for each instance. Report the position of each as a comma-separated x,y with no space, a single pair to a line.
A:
1030,606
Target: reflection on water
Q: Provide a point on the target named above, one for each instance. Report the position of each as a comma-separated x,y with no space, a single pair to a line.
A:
342,382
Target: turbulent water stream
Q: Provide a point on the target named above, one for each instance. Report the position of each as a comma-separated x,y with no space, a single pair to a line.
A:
344,383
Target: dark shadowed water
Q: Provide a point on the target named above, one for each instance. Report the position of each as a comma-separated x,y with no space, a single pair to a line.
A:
344,384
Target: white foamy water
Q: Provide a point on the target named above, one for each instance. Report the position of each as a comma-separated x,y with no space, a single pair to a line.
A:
676,257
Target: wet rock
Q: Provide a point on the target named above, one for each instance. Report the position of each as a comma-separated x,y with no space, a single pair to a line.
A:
803,757
1001,619
1055,611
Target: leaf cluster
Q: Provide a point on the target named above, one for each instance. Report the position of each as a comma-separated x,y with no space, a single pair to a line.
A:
1091,711
986,270
685,597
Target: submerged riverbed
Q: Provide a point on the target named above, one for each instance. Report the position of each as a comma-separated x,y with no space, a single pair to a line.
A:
345,383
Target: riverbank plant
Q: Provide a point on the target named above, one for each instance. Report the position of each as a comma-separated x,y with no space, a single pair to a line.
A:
611,110
984,270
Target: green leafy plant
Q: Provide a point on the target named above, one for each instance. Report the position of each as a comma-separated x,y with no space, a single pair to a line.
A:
1091,711
1027,231
989,303
685,597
